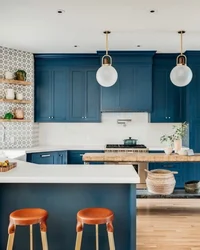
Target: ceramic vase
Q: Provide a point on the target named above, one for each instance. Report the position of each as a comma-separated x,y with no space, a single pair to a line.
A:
168,150
10,94
177,145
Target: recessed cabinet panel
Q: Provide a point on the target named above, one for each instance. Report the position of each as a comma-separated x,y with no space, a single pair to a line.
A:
77,95
110,97
43,95
92,97
60,94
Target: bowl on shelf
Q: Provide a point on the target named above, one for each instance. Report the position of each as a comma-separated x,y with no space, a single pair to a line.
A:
192,187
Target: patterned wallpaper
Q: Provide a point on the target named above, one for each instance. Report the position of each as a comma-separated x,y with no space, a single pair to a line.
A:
18,134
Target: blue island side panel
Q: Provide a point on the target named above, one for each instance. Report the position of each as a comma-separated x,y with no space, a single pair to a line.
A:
63,201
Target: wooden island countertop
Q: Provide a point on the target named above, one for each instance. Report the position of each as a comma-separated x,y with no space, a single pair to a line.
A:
139,157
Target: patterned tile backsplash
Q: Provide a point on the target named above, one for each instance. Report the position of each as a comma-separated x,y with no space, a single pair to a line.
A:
18,135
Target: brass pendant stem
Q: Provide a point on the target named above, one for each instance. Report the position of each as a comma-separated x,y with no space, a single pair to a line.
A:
181,43
181,32
106,43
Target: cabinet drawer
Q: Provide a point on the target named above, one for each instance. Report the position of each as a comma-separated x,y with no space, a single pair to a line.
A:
76,157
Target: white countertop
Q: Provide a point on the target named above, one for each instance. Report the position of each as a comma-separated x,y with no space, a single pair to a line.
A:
32,173
46,148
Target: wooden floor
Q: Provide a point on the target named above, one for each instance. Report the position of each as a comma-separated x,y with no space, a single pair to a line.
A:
168,224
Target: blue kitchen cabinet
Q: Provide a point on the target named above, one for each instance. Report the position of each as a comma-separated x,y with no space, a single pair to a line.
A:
75,156
168,100
84,99
51,94
132,92
58,157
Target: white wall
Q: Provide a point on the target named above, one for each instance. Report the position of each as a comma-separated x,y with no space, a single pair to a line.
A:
108,131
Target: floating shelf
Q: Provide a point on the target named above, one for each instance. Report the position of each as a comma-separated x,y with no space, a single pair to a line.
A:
15,82
15,101
14,120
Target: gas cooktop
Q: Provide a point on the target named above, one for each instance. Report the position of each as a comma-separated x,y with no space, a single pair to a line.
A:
125,146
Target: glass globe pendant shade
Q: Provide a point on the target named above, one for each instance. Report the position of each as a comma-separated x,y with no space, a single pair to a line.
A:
181,75
106,75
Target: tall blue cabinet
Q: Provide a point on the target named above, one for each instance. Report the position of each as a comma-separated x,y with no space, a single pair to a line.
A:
168,100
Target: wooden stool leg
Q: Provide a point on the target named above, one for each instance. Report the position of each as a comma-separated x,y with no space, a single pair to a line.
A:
110,236
79,230
43,231
31,237
97,237
10,241
11,236
44,240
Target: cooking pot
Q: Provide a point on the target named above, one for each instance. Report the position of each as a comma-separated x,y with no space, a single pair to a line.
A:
130,141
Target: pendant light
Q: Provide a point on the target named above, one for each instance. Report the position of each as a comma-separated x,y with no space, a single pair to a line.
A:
181,74
106,75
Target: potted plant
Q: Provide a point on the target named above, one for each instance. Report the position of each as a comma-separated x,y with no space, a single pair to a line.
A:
20,75
179,133
168,140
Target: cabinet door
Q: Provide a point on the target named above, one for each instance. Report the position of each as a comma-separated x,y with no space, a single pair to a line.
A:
77,95
167,98
126,75
142,92
110,97
132,92
60,100
61,157
92,112
174,101
43,158
75,157
43,95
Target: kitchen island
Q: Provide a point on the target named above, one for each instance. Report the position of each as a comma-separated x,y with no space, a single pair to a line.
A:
138,157
63,190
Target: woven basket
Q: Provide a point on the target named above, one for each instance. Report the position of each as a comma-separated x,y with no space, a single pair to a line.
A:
160,181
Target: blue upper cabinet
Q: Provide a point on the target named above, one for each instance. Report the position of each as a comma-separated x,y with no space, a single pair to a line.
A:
168,100
84,95
133,90
51,94
66,89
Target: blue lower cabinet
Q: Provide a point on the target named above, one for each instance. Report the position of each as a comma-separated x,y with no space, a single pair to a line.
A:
183,170
75,156
59,157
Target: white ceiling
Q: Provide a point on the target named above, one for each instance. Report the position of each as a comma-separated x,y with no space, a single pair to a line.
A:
35,26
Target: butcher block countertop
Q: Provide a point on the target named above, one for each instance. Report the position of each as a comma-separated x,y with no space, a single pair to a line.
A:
138,157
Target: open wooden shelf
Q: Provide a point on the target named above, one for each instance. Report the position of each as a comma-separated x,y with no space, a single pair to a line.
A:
15,82
15,101
14,120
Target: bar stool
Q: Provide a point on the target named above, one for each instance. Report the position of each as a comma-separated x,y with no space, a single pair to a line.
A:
95,216
28,217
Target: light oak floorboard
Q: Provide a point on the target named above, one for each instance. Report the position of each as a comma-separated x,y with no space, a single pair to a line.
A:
168,224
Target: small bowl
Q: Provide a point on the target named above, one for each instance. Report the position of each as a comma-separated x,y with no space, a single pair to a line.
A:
183,152
192,187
